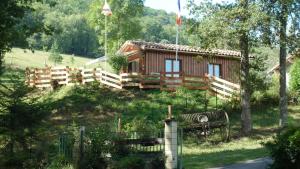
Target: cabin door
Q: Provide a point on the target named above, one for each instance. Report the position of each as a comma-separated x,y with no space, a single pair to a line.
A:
133,67
172,67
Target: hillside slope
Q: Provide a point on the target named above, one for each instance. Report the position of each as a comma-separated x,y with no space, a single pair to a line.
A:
22,58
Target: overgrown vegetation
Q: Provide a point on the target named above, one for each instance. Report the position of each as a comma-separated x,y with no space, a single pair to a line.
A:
23,120
295,76
55,56
117,62
285,149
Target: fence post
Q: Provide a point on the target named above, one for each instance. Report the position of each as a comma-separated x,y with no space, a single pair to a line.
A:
100,75
170,141
81,146
27,74
67,75
119,124
94,74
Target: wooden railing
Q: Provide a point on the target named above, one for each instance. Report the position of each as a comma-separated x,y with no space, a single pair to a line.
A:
224,89
45,77
111,79
151,81
130,79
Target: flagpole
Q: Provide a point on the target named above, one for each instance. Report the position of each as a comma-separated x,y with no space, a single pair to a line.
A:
105,40
177,34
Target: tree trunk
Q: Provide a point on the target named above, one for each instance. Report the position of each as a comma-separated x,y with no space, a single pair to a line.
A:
282,68
245,89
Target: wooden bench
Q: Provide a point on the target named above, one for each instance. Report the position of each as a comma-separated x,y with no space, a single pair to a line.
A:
204,123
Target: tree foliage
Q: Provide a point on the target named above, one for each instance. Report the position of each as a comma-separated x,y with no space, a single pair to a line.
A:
55,56
285,149
122,25
67,26
117,62
22,117
11,11
295,76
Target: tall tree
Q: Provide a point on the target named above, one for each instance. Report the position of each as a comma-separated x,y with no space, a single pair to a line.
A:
23,119
283,17
230,26
10,13
244,48
122,25
287,14
66,24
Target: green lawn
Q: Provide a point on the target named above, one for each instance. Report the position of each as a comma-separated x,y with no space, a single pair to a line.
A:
265,125
208,155
22,58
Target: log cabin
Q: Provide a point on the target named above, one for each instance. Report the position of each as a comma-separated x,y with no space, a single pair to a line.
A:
149,58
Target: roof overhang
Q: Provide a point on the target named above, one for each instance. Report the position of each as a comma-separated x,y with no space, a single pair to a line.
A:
192,53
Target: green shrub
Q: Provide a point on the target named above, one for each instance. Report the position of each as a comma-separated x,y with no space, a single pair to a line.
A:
130,162
285,149
117,62
257,71
295,76
264,98
95,151
268,97
59,162
143,127
157,162
55,57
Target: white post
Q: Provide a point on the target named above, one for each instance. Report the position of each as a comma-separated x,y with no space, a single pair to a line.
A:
177,34
170,142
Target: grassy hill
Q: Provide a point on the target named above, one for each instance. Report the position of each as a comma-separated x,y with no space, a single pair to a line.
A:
91,105
22,58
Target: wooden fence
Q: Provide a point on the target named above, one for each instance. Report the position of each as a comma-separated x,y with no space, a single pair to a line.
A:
224,89
46,77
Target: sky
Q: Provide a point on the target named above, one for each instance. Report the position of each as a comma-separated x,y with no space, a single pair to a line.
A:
171,5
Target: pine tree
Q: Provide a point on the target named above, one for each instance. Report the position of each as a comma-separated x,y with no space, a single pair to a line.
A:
55,57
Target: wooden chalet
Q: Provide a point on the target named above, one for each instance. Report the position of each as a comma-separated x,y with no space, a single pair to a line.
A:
154,66
149,58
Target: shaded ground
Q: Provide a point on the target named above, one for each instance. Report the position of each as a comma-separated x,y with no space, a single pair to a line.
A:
260,163
265,124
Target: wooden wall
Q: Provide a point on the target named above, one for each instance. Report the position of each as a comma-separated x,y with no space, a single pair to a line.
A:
154,61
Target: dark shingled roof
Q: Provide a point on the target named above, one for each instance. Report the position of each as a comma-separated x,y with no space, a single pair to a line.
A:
184,48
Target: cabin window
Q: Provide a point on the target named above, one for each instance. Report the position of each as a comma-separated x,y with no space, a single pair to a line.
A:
172,66
214,70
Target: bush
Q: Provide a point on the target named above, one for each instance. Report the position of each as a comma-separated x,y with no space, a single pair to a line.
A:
144,127
285,149
97,149
295,76
130,162
117,62
157,162
59,163
55,57
257,71
268,97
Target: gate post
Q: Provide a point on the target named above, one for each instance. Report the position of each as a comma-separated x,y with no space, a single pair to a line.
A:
170,142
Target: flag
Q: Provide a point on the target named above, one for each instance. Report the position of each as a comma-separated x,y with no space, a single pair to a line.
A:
178,17
106,10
